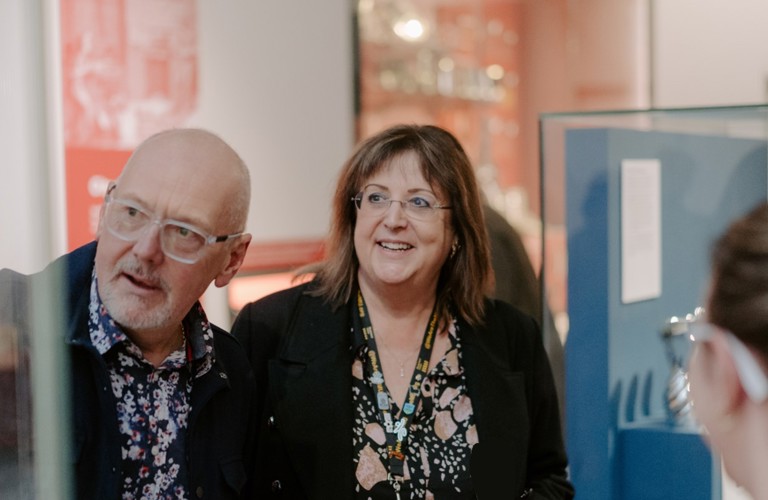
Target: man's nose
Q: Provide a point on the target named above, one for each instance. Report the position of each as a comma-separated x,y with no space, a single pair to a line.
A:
149,245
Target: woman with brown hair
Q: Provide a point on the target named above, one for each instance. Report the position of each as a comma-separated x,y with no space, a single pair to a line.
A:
391,375
727,370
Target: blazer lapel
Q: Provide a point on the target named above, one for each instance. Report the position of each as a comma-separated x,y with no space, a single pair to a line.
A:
312,381
498,402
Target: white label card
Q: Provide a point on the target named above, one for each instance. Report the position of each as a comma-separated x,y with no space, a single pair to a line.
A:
640,230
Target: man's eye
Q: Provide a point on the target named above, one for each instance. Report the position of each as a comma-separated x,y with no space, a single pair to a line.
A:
182,232
132,211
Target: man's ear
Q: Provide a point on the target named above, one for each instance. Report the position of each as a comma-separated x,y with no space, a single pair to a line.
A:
235,260
100,227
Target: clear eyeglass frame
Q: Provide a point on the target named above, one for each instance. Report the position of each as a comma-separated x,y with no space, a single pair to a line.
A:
751,374
179,240
417,207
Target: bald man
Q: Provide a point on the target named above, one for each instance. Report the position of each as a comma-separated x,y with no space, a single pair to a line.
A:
162,400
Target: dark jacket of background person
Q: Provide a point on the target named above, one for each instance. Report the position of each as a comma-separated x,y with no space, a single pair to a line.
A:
300,351
220,433
516,283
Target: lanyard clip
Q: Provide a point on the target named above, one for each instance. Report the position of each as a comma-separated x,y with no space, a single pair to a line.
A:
395,481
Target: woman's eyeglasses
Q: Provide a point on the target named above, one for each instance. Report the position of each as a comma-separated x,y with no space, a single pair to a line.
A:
421,207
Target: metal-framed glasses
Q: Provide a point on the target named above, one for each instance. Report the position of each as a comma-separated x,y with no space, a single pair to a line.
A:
183,242
374,202
751,374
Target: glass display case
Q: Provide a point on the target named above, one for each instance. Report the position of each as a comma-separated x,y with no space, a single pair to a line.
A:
631,201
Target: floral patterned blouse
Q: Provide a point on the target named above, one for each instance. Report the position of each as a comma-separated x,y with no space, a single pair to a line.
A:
441,436
153,404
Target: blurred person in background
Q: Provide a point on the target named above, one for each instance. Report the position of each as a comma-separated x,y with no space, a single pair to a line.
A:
515,282
727,369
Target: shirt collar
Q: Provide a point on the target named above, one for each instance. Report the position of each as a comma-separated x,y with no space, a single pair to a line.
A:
105,333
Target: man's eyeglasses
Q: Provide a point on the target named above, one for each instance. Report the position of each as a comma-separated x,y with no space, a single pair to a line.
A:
421,207
180,241
753,378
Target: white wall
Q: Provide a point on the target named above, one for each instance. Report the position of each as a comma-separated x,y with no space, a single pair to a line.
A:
27,235
276,82
709,52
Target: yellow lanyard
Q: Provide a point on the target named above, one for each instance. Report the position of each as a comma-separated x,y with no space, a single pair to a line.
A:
396,431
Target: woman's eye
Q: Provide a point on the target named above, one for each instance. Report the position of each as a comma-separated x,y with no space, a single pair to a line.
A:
419,202
377,198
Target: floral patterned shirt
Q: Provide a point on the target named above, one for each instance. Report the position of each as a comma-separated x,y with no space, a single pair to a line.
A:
441,436
153,403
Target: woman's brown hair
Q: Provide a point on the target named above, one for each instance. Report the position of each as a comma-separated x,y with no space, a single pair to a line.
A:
738,298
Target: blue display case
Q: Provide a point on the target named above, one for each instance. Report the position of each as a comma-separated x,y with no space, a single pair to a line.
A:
636,198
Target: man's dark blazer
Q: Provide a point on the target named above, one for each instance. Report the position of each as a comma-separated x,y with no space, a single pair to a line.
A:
300,352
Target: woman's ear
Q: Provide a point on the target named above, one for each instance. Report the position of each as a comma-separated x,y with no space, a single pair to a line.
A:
454,246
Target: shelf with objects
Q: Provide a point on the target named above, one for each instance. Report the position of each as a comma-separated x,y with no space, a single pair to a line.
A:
631,201
452,64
